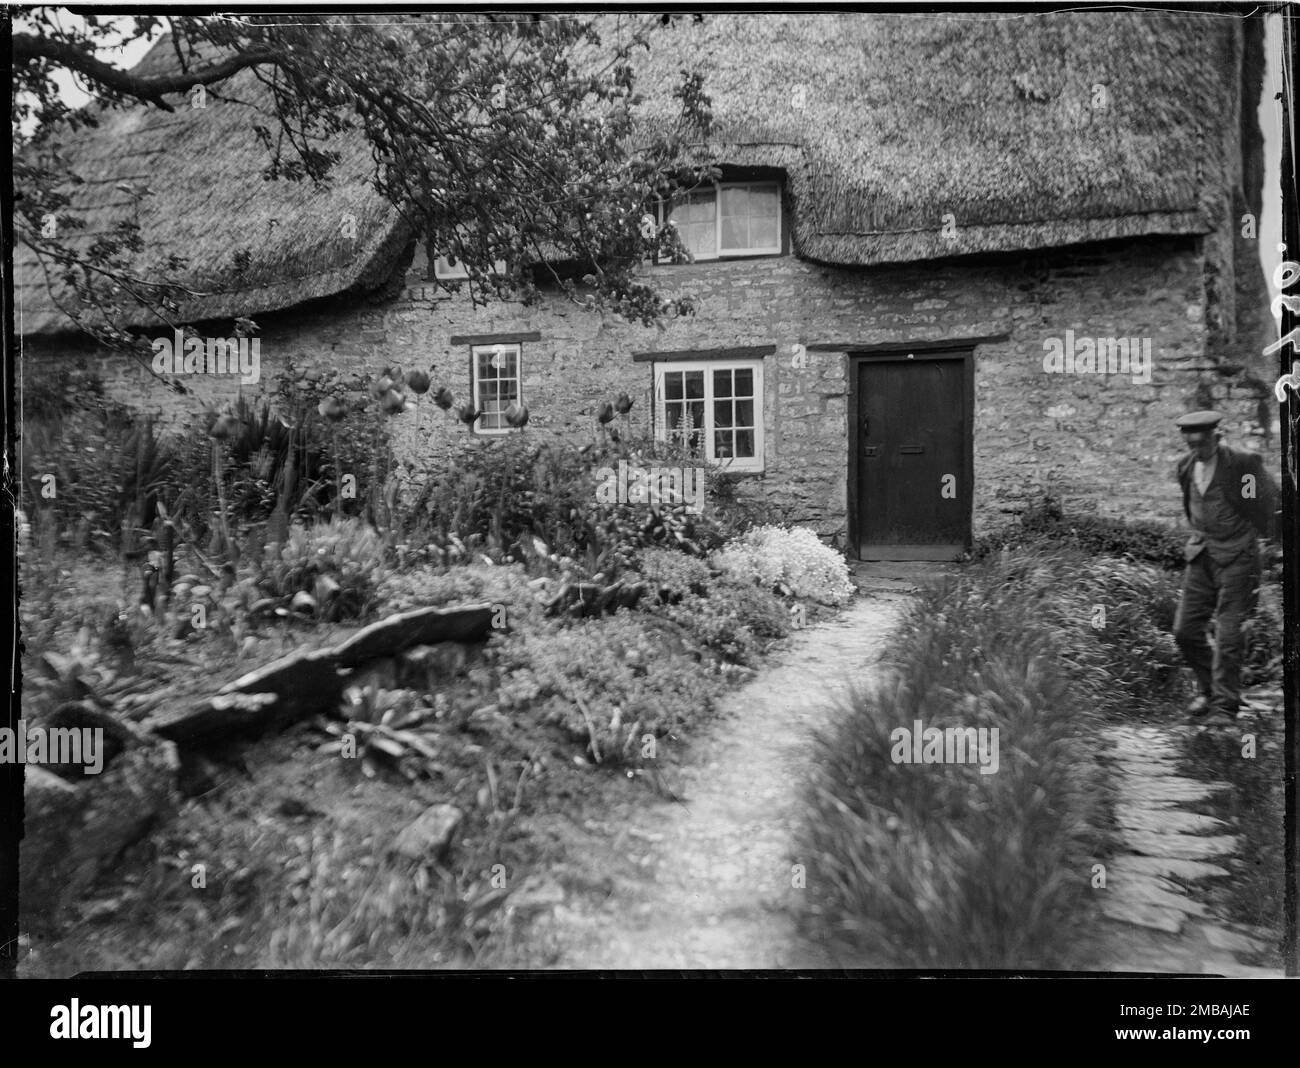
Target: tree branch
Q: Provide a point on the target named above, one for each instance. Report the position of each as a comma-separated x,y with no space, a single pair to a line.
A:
27,47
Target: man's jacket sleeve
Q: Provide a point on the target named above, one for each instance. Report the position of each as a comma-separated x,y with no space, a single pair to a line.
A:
1266,497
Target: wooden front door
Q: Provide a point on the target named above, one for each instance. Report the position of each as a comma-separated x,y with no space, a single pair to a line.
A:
913,459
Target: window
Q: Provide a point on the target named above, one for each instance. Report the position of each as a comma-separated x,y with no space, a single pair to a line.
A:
713,409
496,385
448,268
729,219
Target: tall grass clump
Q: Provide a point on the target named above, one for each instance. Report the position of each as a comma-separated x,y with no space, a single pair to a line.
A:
940,865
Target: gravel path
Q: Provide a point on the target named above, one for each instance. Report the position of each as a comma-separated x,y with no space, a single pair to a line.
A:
707,882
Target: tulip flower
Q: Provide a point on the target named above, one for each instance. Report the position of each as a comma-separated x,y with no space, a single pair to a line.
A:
517,414
605,413
623,404
419,382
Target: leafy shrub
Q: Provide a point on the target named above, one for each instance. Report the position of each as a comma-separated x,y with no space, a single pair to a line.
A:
429,586
734,619
1044,522
496,495
271,440
339,563
790,560
673,575
609,682
110,467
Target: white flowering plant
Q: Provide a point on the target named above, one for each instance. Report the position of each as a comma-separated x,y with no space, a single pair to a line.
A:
790,560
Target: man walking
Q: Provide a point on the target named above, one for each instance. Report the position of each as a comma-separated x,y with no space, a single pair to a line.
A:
1229,499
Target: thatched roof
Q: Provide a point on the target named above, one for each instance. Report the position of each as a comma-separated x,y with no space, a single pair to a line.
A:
987,117
251,245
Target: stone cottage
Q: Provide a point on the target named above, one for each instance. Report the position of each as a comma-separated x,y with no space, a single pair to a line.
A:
953,263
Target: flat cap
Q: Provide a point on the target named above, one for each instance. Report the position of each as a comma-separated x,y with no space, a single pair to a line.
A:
1206,420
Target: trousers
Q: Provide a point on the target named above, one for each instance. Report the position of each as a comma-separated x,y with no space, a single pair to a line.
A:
1224,594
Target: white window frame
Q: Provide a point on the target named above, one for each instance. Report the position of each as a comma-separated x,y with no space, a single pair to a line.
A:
749,464
728,253
475,382
443,271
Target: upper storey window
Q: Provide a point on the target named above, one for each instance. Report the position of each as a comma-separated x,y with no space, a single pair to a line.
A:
729,219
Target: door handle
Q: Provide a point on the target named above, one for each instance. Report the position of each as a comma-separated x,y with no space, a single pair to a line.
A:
912,448
870,450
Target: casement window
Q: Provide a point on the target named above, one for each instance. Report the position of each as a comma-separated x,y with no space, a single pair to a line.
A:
729,219
449,269
496,372
446,267
712,408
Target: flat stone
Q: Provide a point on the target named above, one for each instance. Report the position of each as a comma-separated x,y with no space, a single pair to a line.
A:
1132,887
1166,820
1142,914
1172,867
1188,846
429,835
536,893
1170,790
1234,941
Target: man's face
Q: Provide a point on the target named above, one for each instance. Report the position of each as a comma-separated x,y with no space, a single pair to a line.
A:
1200,442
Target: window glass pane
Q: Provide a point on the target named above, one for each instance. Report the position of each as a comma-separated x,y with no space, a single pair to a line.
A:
744,413
762,233
700,238
673,386
723,449
722,413
695,413
744,382
763,201
735,200
722,383
695,385
695,220
735,233
745,444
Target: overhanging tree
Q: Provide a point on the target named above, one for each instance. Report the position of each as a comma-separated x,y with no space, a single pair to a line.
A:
500,138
